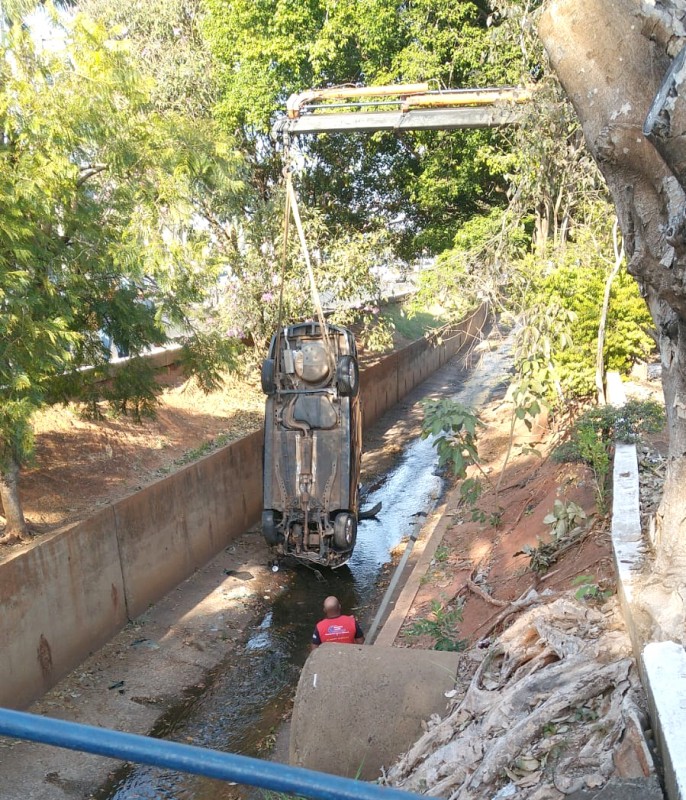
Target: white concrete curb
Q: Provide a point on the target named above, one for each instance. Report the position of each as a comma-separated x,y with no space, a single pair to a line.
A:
664,668
662,664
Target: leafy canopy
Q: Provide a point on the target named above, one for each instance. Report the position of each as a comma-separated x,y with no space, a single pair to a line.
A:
417,185
99,234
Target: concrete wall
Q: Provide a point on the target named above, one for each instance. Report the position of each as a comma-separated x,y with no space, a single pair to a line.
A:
384,384
71,591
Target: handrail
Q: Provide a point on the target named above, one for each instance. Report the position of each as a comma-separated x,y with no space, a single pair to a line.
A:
191,759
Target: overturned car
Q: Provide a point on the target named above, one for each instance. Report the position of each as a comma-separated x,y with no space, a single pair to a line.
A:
312,443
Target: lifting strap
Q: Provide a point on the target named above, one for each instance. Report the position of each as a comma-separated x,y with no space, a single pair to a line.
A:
291,207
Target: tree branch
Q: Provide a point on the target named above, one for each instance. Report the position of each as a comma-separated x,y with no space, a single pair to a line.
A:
88,172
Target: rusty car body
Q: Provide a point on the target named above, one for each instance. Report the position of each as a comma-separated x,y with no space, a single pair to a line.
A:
312,443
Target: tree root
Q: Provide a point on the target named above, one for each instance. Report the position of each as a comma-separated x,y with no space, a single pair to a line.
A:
14,538
479,592
546,707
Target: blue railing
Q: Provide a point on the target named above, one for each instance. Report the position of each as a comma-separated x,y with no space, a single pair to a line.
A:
187,758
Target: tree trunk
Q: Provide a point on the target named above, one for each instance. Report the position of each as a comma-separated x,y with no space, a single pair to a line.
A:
612,58
16,529
600,353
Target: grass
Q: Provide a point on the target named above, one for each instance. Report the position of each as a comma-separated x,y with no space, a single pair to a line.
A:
413,327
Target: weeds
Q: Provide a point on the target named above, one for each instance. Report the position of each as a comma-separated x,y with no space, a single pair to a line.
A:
454,428
593,433
564,518
589,590
442,628
442,553
567,521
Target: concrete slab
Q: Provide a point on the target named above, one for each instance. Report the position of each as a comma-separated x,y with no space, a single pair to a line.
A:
348,693
664,670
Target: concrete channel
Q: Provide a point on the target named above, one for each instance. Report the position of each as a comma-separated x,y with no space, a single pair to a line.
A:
168,682
245,701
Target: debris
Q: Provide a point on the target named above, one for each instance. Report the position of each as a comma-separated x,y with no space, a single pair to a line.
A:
144,644
484,595
242,575
545,710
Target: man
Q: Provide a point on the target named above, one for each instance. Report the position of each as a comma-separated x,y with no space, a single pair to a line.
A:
336,627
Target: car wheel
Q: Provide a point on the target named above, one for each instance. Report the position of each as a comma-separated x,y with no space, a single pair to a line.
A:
347,376
268,383
344,531
269,529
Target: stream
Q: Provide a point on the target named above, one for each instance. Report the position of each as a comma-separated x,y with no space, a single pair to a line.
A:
244,701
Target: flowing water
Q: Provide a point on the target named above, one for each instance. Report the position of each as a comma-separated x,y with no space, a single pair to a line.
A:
245,699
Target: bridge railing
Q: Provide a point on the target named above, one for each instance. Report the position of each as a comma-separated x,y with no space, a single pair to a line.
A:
188,758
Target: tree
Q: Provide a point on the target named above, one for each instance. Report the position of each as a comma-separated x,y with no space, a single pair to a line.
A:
616,61
100,233
169,45
418,186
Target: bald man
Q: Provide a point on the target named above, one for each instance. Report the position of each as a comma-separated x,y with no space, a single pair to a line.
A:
336,627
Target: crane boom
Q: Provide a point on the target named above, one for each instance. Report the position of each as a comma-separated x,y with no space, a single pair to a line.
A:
405,107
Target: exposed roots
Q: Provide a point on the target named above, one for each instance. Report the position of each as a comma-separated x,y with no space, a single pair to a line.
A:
544,711
14,538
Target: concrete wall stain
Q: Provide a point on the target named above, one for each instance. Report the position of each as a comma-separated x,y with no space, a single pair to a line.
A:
44,654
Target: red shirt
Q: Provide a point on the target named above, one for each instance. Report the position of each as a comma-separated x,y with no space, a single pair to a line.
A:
341,629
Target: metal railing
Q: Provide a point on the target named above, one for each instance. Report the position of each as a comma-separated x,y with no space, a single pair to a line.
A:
188,758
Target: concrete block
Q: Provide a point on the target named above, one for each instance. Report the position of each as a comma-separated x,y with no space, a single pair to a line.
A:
664,671
341,712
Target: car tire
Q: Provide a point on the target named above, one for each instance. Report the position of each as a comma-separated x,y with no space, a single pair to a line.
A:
267,375
347,376
344,531
269,529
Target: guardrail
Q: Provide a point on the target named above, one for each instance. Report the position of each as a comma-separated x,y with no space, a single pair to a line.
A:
194,760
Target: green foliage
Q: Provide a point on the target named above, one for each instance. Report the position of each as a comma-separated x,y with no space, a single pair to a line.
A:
412,320
101,196
481,264
16,434
595,430
206,356
575,283
268,49
564,518
170,48
442,627
589,590
133,390
442,554
594,450
568,525
248,305
453,427
625,424
545,331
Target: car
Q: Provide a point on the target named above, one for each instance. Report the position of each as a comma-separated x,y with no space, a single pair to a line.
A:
312,443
